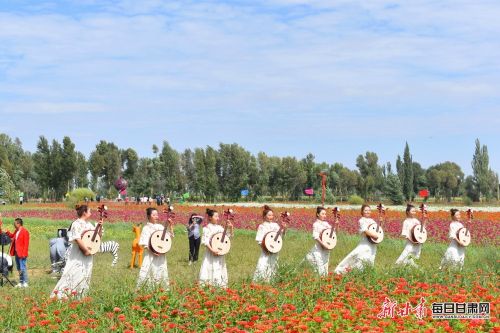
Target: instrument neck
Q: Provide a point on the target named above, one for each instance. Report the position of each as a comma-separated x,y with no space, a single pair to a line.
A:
224,232
97,231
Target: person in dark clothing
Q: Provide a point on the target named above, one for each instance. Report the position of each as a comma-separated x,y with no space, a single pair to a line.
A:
194,234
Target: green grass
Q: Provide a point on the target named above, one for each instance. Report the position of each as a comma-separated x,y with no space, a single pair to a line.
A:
241,260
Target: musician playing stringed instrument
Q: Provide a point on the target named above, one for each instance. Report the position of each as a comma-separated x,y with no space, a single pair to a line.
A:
75,279
213,269
268,262
319,255
455,253
366,250
412,249
154,270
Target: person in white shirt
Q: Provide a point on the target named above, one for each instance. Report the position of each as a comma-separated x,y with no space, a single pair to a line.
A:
75,279
411,250
268,262
319,255
455,253
364,253
154,270
213,269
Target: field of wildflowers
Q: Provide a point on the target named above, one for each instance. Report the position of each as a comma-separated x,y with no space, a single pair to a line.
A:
384,298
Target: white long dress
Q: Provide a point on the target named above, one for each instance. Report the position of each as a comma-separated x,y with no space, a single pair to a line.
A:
268,262
411,250
75,279
213,269
455,253
154,271
319,256
363,254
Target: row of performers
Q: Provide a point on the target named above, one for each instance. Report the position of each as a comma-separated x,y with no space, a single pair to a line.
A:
156,240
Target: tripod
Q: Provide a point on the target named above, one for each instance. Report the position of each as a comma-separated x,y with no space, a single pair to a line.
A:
4,239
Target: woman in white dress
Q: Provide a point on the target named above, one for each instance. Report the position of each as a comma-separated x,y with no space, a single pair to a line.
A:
154,270
411,250
365,252
268,262
319,255
455,253
213,269
75,279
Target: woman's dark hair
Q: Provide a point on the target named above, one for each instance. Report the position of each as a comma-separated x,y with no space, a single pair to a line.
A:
191,218
81,209
266,210
409,207
319,209
149,211
363,208
453,211
211,212
19,220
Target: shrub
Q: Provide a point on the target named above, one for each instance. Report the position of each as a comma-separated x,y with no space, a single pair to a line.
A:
7,188
355,200
78,195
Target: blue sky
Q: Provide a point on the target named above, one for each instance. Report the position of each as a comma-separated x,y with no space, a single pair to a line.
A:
288,77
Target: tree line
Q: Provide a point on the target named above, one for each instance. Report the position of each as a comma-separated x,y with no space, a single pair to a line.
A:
221,173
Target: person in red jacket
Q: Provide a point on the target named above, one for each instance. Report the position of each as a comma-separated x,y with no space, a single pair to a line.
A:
19,249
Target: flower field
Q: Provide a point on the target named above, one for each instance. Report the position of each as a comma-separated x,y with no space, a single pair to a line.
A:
331,304
384,298
485,227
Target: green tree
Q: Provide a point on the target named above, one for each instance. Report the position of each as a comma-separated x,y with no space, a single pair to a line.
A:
445,180
187,168
371,175
43,166
170,167
68,168
7,188
81,178
408,174
212,182
200,172
393,189
105,166
483,176
233,169
129,162
293,178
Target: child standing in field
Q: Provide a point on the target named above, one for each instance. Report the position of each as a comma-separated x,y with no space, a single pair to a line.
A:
411,249
19,249
213,269
268,262
75,279
154,271
455,253
365,252
319,256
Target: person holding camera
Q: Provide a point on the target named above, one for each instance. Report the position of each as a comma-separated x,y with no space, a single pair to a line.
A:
194,236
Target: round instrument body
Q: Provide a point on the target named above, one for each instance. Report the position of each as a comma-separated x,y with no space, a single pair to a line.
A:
158,245
463,236
380,233
272,242
329,238
222,247
91,246
418,234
